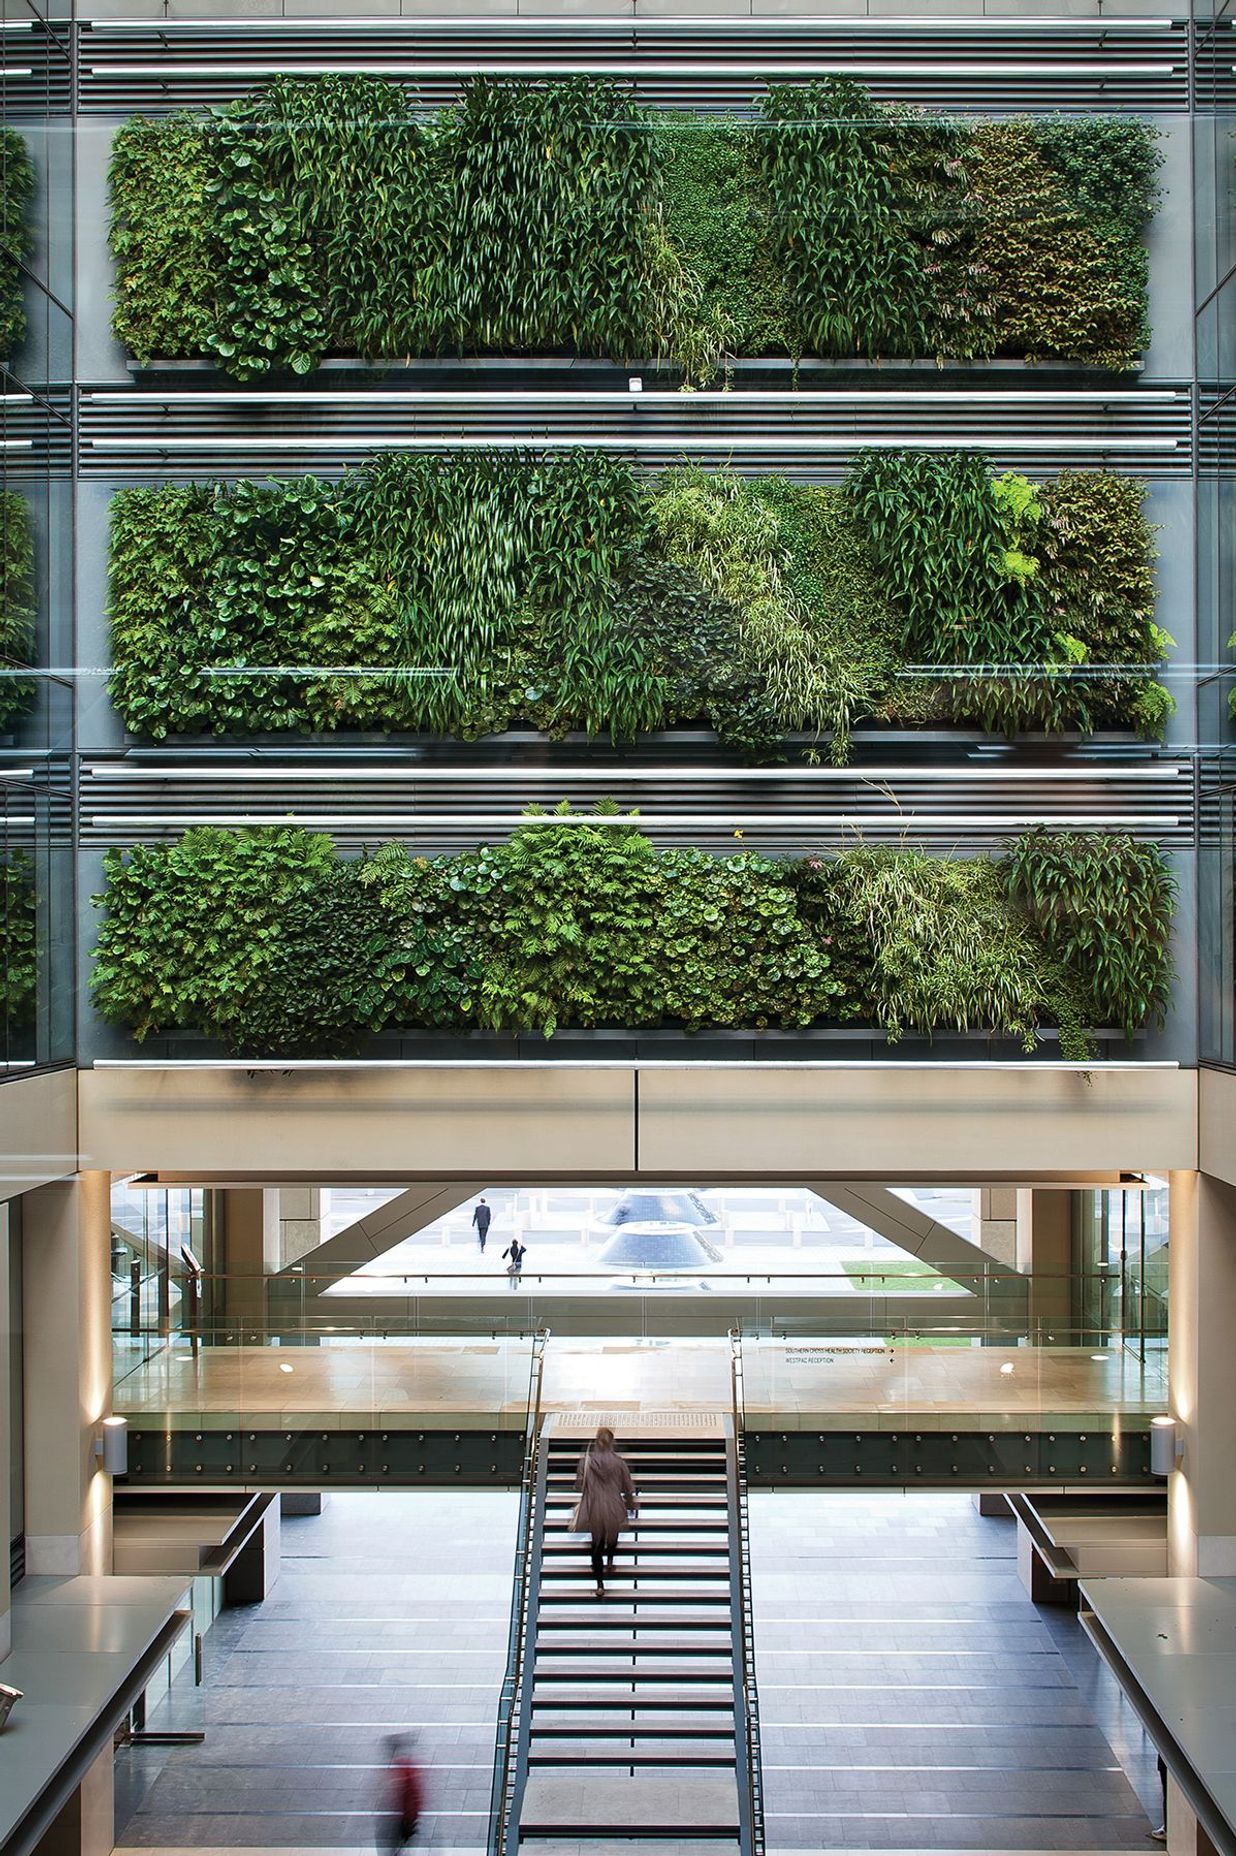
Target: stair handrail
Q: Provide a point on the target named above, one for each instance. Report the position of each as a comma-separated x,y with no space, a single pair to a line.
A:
747,1702
506,1786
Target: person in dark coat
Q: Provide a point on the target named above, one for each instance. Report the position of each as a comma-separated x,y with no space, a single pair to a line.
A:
607,1500
481,1219
516,1252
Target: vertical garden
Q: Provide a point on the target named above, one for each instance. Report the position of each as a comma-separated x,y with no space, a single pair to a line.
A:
423,597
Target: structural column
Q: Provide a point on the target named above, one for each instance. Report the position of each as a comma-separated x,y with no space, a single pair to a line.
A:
1202,1369
67,1292
6,1439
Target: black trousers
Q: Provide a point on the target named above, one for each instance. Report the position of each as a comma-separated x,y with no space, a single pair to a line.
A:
602,1550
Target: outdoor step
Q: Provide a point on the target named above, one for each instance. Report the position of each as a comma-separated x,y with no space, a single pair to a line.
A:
657,1498
584,1807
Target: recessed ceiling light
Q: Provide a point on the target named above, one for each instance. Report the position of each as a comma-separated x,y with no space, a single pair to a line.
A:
1007,1367
286,1369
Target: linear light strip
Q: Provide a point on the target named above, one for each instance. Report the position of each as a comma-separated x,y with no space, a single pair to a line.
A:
548,66
520,1066
723,441
606,775
646,821
16,444
703,24
772,396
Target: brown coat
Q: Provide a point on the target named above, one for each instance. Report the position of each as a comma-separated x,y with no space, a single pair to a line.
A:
606,1494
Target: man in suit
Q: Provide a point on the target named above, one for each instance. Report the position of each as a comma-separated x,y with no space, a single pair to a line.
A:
481,1218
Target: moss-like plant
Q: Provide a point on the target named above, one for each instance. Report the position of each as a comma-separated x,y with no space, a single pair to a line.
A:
167,286
18,948
16,193
559,216
265,940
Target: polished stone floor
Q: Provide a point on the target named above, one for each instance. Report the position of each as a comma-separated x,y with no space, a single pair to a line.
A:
790,1385
912,1697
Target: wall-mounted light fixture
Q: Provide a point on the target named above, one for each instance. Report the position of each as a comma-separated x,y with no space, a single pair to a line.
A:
1166,1446
7,1698
111,1446
635,383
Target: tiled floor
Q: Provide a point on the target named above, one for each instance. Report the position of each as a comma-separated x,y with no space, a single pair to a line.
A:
390,1614
912,1697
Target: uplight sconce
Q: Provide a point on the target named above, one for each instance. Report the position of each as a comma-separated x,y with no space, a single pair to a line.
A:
1166,1445
111,1446
635,383
8,1698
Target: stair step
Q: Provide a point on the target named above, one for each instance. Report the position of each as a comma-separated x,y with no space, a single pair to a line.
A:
633,1727
608,1620
685,1700
582,1808
696,1523
634,1756
719,1679
688,1549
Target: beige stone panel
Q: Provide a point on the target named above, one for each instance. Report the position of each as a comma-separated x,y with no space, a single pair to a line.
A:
1202,1364
907,1123
510,1121
1216,1118
38,1130
6,1525
66,1281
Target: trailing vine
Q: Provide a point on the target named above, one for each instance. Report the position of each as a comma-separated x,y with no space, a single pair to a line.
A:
17,612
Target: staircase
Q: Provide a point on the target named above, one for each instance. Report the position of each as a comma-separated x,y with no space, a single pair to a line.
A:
633,1715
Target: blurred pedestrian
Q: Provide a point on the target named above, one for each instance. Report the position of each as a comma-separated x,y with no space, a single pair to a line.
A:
607,1502
481,1218
516,1252
403,1798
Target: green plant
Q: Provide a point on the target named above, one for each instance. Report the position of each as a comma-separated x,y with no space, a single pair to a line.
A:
266,940
946,541
16,193
853,278
18,946
1102,904
166,277
192,927
557,215
945,951
1066,285
17,611
458,595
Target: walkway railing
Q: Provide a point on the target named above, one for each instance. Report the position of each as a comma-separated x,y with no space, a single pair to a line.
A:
746,1694
513,1703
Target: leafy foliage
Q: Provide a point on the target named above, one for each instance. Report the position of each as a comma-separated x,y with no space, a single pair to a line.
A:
16,193
320,214
1102,905
18,946
16,605
266,940
167,287
460,595
851,264
1068,275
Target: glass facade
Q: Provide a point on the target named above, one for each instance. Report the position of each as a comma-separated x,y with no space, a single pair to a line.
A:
1215,215
37,542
